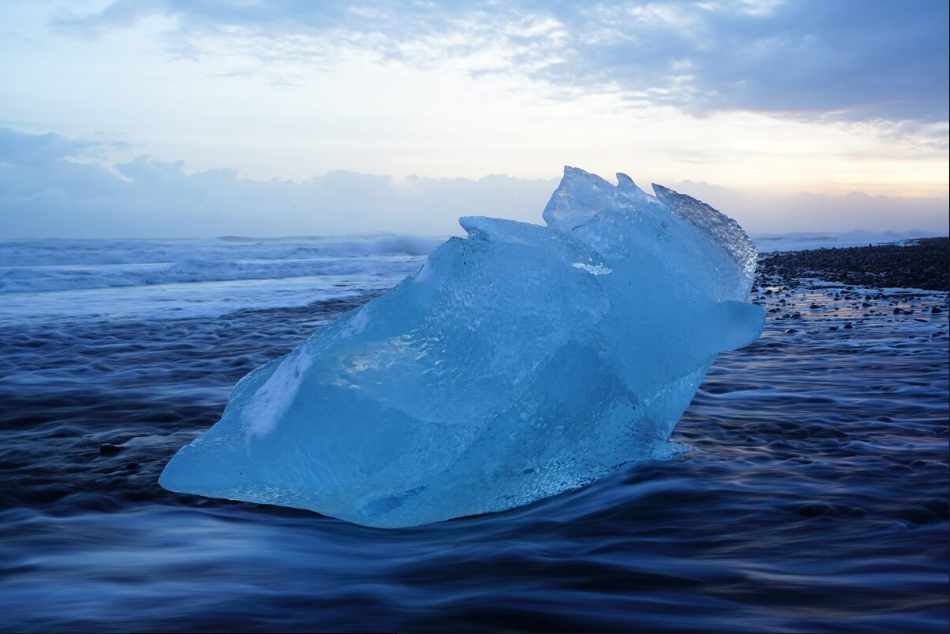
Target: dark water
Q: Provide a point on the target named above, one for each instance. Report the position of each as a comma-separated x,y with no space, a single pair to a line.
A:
813,496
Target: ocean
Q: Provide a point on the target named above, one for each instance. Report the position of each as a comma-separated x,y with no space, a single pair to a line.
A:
809,491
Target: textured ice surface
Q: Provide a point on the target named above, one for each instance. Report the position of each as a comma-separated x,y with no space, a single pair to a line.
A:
517,363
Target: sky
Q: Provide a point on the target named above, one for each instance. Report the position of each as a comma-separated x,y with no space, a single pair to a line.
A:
196,118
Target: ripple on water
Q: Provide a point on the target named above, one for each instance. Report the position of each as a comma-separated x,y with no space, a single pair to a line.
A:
813,496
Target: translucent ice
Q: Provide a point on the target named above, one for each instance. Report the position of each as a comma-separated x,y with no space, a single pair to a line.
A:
517,363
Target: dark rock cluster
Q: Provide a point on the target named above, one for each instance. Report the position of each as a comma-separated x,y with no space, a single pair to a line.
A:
923,264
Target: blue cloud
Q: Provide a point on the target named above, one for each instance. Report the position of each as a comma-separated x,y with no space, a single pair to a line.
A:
19,148
872,60
45,194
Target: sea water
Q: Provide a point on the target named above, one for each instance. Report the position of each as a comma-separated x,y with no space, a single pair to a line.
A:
807,488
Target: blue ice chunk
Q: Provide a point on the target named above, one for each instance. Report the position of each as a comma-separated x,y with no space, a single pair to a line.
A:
517,363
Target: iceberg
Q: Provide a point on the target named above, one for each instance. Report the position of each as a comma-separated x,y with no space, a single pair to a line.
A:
517,363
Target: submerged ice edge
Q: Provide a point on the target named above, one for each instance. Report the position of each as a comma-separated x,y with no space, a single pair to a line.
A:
517,363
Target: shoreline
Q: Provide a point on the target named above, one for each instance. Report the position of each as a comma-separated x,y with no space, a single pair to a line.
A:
921,264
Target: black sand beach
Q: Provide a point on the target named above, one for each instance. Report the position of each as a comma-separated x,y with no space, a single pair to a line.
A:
921,264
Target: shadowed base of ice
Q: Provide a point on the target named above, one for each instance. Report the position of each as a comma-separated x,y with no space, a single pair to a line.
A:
517,363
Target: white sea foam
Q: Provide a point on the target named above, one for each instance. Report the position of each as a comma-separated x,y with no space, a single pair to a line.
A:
38,266
55,279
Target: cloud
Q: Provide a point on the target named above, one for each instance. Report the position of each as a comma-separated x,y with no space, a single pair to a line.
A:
763,214
120,14
18,148
53,196
804,59
43,193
